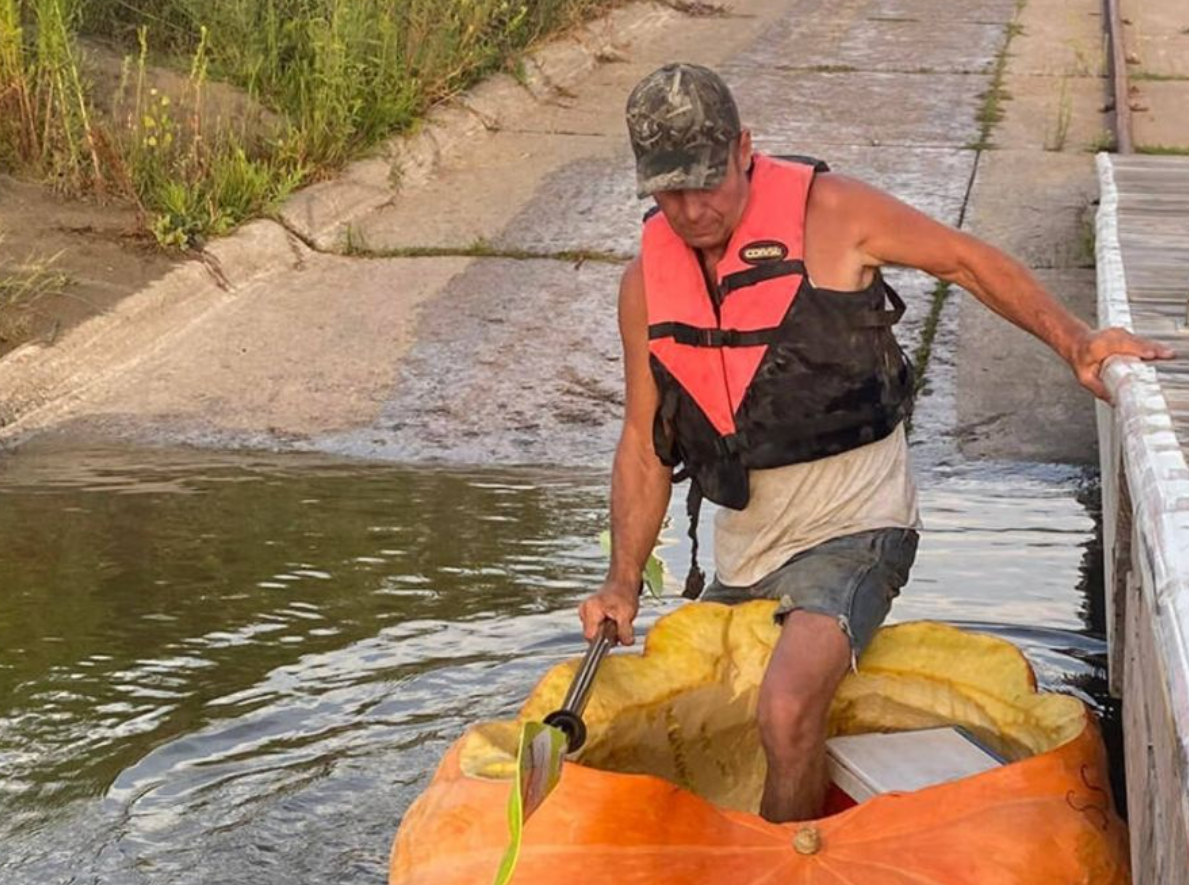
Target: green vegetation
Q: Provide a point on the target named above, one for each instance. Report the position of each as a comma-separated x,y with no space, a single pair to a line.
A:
328,79
697,9
1088,242
654,568
21,287
1104,142
1087,62
831,69
480,248
1056,136
22,284
1154,76
920,358
1170,150
991,111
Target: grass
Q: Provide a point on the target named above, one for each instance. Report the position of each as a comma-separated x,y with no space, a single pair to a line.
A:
45,118
1153,76
921,356
333,77
481,249
829,69
21,287
1055,139
1088,63
697,8
1169,150
1104,142
990,111
1088,241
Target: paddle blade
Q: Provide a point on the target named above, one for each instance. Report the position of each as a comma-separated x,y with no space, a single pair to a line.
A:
538,769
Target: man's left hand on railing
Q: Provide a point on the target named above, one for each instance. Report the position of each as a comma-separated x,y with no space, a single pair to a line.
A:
1099,346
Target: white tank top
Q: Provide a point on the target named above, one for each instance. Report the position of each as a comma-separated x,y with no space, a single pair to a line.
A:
799,506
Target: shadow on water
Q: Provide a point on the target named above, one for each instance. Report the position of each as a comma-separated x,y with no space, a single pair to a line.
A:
218,668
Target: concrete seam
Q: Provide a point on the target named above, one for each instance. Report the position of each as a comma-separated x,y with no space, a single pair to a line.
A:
941,292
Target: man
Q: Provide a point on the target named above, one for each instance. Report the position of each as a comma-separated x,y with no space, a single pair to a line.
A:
759,358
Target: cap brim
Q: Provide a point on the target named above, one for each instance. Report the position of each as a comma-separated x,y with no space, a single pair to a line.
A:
699,168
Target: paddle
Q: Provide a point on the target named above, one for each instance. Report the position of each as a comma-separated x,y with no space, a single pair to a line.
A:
543,746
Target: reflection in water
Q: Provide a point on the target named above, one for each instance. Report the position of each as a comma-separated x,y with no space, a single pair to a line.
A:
244,669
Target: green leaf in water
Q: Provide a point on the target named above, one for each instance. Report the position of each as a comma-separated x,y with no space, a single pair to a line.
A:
654,568
654,576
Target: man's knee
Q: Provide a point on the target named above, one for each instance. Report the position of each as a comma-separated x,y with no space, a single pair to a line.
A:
810,659
791,721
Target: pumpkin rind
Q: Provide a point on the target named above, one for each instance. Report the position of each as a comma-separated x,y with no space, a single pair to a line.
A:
1043,819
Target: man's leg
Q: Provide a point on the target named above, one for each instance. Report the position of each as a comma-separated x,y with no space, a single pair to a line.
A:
811,657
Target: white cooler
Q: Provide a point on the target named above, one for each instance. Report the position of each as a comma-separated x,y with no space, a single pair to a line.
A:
865,765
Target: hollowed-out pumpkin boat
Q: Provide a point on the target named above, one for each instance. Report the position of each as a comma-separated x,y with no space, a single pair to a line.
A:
666,789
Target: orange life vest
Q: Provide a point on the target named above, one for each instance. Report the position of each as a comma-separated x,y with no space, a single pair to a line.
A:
763,369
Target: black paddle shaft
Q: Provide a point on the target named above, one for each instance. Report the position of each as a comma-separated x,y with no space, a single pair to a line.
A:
569,717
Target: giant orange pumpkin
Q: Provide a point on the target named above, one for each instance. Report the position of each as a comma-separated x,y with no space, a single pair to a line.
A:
666,789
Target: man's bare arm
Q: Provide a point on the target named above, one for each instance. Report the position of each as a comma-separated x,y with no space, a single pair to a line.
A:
890,232
640,484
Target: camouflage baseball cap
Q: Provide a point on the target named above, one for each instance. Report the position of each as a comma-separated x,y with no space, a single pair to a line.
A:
682,120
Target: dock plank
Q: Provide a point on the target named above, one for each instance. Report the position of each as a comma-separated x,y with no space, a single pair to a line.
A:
1153,219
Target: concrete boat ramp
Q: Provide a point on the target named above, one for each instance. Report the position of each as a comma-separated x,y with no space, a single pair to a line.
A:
454,296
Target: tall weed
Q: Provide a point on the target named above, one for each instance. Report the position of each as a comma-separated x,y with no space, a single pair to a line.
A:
47,120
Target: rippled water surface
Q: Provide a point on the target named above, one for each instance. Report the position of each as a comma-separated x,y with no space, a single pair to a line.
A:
243,669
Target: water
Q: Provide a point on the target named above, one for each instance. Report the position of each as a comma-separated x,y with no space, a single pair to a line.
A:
243,669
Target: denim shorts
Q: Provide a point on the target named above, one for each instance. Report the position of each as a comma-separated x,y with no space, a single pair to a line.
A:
853,578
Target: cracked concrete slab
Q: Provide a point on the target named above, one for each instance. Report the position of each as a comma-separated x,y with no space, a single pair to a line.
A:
481,198
1157,33
888,43
1156,38
1054,86
514,362
1037,206
1017,399
593,204
933,180
1060,38
1053,114
1159,115
43,384
255,366
866,108
944,11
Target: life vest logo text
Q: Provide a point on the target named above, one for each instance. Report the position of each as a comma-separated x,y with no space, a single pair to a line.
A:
763,251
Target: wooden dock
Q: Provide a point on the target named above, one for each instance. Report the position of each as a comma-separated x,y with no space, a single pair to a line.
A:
1143,283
